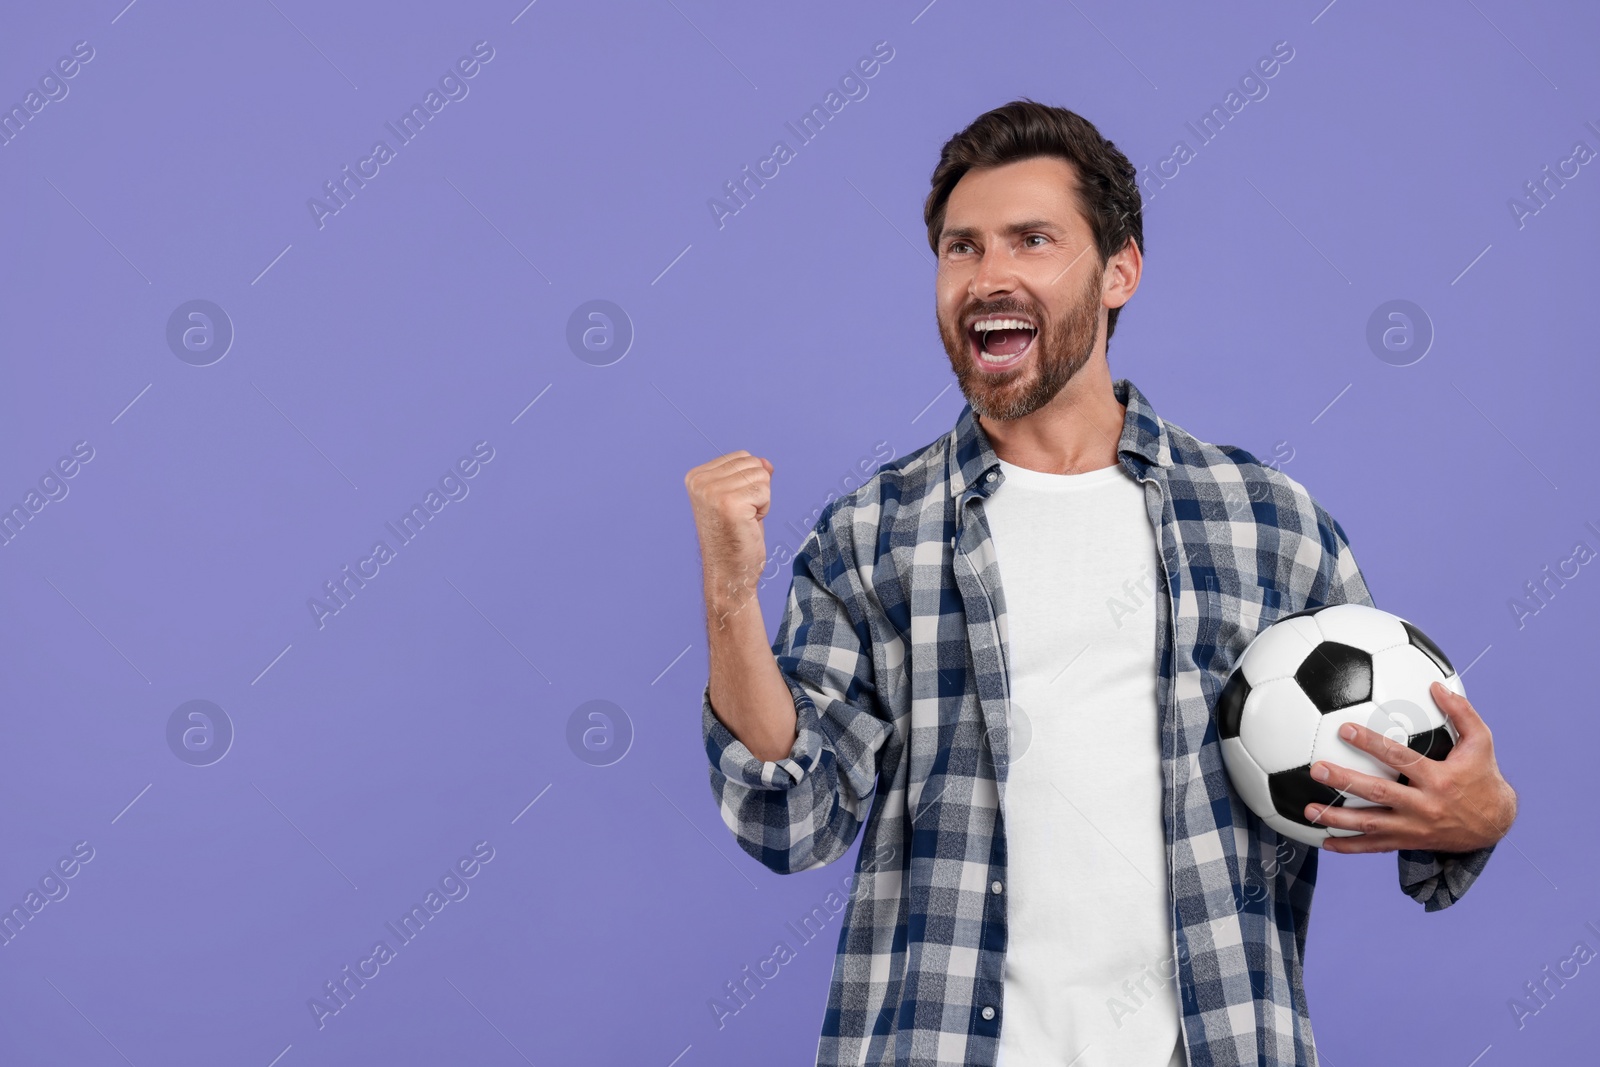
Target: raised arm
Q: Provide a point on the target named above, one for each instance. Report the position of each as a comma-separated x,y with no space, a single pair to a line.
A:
731,495
792,730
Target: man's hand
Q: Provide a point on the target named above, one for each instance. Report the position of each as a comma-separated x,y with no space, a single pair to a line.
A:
731,495
1456,804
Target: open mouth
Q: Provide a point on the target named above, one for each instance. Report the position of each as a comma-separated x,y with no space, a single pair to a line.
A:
1000,343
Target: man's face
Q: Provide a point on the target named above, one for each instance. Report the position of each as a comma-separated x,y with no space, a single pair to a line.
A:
1015,247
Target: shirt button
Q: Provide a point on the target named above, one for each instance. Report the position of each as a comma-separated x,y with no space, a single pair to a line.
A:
988,1013
989,477
995,886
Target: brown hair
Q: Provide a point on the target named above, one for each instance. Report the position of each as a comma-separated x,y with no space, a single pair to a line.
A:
1107,189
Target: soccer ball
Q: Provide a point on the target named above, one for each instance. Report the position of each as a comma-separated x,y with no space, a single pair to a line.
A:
1305,676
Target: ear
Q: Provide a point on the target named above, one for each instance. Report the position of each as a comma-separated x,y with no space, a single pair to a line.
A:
1122,273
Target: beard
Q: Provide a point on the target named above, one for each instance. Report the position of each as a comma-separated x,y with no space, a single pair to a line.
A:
1058,351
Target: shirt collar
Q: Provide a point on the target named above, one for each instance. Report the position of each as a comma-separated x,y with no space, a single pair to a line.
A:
974,468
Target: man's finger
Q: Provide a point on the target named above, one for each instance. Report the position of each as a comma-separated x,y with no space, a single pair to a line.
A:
1378,842
745,472
1385,749
1390,794
1362,820
728,466
1463,716
726,458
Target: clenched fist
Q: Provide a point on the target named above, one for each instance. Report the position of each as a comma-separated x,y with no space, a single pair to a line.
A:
731,495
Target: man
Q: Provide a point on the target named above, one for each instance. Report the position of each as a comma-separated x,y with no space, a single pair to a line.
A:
1001,655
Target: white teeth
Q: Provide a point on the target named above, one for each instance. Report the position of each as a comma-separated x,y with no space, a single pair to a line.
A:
1001,324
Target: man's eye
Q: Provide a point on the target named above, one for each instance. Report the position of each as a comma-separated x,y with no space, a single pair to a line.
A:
957,246
1031,236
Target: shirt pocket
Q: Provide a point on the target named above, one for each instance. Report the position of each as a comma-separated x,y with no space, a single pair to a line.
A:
1233,610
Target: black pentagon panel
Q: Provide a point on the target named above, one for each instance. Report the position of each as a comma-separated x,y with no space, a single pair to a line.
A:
1292,790
1230,704
1335,676
1434,743
1429,649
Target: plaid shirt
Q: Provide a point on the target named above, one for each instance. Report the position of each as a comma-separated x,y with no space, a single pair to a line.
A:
893,642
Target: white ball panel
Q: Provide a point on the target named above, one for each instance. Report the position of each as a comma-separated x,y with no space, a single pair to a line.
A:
1398,720
1278,651
1405,673
1248,779
1456,685
1396,717
1359,626
1278,725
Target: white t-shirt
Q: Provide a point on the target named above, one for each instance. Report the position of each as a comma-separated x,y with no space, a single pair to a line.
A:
1090,978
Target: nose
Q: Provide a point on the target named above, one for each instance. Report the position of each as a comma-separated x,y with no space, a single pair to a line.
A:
996,273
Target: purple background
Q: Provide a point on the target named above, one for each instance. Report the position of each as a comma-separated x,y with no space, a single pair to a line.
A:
371,353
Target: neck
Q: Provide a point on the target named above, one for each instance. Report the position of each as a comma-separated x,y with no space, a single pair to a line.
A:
1076,431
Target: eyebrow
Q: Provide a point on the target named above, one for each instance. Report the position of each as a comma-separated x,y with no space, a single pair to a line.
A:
1011,230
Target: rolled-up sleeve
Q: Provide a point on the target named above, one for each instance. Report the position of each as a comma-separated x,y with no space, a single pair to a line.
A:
1435,880
804,811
